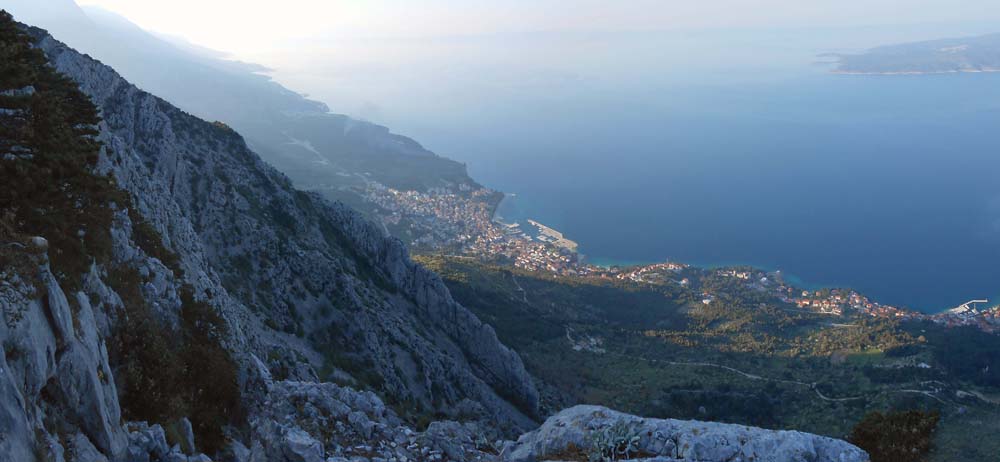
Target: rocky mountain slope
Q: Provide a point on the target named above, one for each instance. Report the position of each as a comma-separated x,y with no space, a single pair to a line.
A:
306,286
331,153
166,293
293,261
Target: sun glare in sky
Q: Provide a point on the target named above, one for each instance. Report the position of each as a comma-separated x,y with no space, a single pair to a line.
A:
243,25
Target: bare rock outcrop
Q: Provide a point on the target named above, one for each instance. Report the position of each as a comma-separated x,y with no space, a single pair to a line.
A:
583,430
54,351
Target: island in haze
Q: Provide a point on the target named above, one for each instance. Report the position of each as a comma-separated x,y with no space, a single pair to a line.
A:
175,297
944,56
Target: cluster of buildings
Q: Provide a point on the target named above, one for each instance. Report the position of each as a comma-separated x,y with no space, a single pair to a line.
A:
838,301
987,320
508,242
464,221
439,217
744,275
655,273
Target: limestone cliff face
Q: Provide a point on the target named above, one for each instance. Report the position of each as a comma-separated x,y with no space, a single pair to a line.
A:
53,352
296,275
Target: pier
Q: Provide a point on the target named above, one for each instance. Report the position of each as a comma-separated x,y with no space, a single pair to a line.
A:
969,306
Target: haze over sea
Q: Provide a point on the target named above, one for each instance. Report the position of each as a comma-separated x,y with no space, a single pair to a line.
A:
708,147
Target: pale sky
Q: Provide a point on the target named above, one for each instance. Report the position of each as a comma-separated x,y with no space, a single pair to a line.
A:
239,26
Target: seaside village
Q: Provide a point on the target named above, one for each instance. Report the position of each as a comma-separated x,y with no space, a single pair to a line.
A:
463,222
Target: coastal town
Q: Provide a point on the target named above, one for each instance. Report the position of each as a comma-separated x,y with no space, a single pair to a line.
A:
833,302
464,222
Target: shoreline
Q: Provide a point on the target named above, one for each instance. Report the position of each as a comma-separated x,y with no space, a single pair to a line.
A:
790,278
609,262
915,73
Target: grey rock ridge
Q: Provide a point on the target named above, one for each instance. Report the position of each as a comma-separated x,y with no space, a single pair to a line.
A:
675,440
303,282
321,310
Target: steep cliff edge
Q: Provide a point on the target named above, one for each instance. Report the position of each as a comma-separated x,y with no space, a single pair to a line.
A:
298,273
291,260
309,287
165,293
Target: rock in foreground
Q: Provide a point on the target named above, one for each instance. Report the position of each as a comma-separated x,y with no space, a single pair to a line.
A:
581,431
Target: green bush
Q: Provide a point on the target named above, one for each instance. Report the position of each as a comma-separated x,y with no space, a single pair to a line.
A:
617,442
897,436
149,240
210,381
165,374
50,188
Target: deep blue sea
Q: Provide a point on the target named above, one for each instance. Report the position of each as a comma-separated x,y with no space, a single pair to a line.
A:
724,148
884,184
888,185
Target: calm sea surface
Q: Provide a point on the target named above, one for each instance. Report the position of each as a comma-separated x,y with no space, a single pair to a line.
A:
719,149
887,185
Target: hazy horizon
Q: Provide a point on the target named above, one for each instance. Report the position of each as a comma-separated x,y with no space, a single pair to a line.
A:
572,116
241,27
323,49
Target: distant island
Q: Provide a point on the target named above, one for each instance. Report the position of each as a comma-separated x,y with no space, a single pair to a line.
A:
944,56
